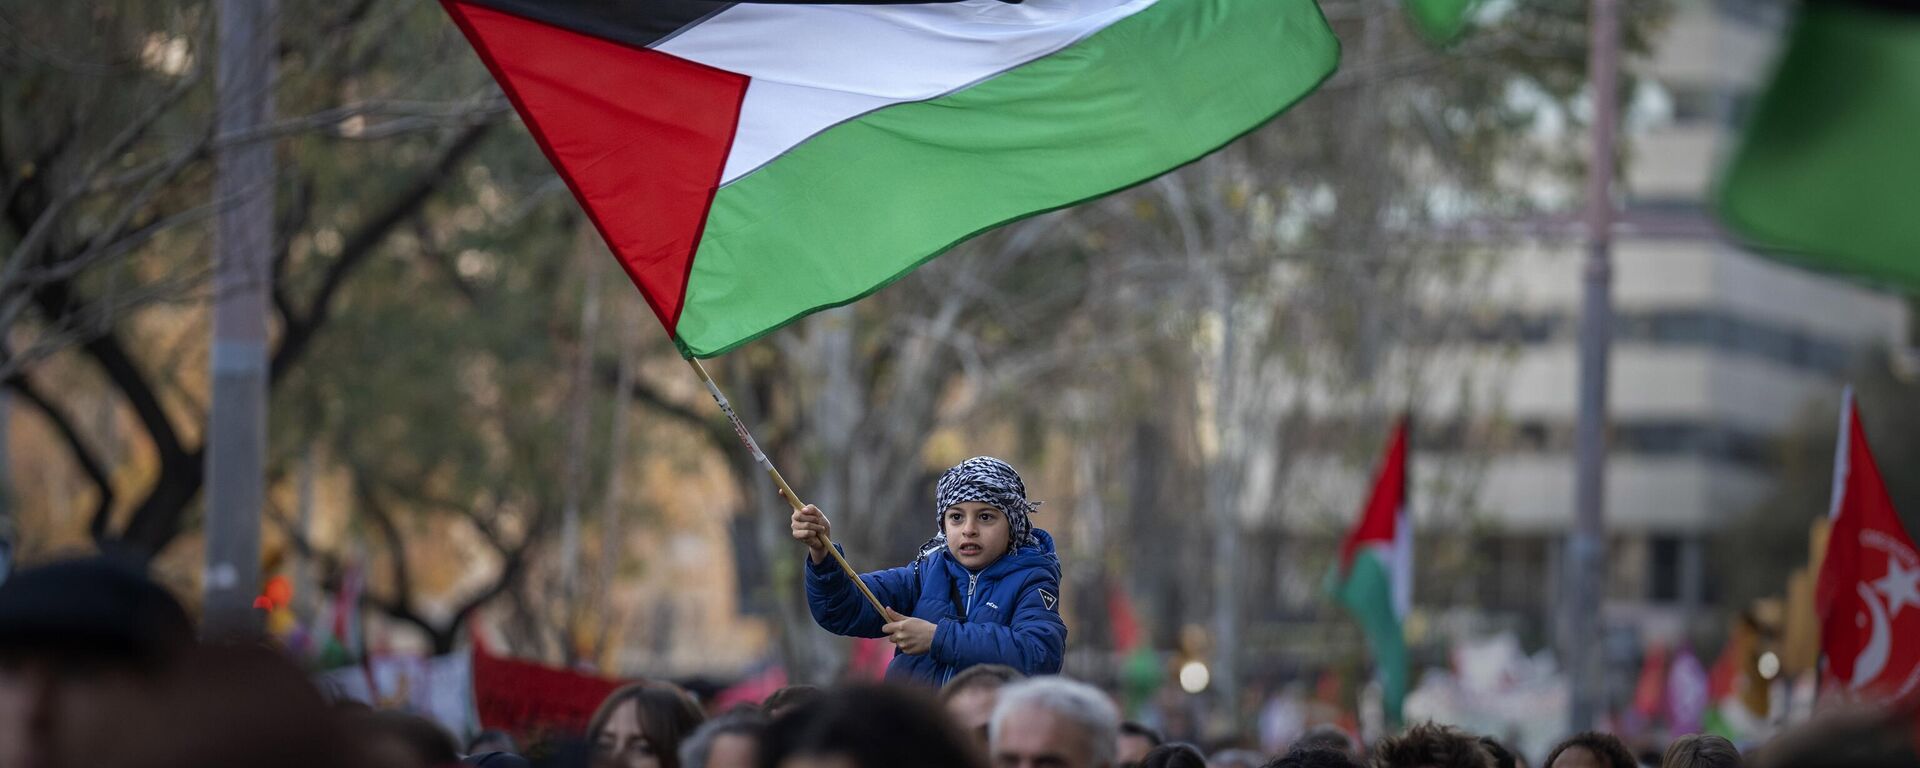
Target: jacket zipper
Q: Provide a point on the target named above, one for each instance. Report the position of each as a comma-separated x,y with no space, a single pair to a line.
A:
973,580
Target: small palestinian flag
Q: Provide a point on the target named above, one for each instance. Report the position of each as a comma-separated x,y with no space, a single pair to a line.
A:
750,163
1827,170
1374,578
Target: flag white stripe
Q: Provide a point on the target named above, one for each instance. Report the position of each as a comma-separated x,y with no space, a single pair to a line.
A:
1840,454
816,66
1402,562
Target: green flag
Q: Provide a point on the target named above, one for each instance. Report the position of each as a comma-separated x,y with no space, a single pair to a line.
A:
1439,21
1828,172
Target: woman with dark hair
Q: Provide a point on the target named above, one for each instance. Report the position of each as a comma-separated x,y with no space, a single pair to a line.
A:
868,727
641,726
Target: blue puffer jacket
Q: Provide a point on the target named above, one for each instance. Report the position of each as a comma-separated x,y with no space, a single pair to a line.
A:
1008,613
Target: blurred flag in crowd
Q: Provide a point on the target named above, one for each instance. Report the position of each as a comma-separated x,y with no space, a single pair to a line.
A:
1374,578
1825,174
1868,595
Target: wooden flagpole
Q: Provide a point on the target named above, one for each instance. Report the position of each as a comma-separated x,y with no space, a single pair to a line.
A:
746,438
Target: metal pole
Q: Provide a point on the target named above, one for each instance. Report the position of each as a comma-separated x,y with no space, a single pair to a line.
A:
1587,544
1222,499
243,241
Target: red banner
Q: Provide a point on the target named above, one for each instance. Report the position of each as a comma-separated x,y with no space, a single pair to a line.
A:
522,697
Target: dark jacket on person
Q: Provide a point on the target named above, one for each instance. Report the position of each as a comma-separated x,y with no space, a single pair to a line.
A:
1008,613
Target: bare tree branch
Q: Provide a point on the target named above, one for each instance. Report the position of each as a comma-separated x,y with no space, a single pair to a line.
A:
36,234
364,241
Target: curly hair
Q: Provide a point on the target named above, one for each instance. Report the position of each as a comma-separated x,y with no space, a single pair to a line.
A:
1431,746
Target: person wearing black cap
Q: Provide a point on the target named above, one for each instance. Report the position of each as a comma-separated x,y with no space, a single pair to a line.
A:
85,646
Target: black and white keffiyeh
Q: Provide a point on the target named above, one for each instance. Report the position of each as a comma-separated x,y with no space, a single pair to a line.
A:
987,479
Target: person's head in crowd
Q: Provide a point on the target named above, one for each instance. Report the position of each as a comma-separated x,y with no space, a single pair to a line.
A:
491,740
785,699
1327,737
1592,749
233,707
1175,755
1502,757
1845,737
641,725
1701,750
1135,741
1310,756
401,740
868,726
1431,746
969,697
1235,758
731,740
496,759
85,646
1054,722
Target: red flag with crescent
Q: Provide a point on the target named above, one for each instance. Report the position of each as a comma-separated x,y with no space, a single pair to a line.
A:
1868,596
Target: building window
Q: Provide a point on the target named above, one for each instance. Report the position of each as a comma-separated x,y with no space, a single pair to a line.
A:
1663,571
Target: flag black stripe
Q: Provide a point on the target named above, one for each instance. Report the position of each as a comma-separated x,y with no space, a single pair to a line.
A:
643,23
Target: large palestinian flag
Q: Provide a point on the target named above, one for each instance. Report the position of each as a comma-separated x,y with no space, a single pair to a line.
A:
751,163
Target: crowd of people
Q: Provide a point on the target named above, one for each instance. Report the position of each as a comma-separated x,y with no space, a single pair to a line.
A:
99,668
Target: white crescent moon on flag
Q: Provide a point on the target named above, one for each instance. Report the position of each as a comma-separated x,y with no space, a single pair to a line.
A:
1873,658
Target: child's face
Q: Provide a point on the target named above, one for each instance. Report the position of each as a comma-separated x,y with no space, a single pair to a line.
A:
977,533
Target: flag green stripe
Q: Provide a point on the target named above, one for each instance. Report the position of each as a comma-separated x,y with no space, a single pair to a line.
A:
865,202
1367,593
1826,173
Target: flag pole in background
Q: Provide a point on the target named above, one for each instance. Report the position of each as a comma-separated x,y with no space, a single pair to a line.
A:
746,438
1586,568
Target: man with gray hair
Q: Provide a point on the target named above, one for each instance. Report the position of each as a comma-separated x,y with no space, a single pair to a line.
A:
1053,722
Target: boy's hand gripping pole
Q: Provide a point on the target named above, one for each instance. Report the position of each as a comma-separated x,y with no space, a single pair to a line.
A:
746,438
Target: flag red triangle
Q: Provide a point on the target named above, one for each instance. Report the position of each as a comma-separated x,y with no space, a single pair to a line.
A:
640,136
1868,597
1379,520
